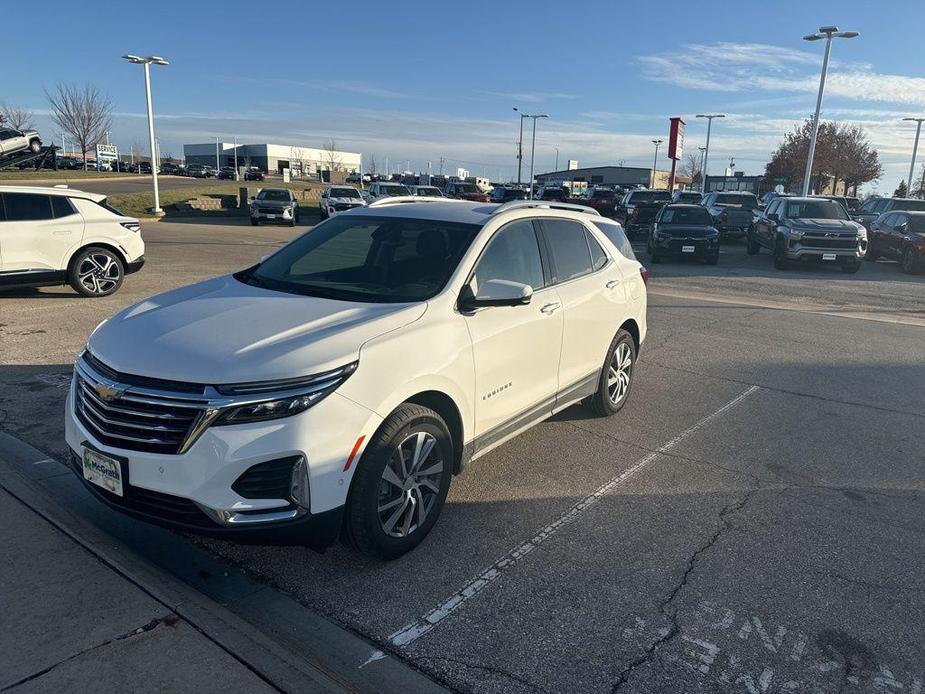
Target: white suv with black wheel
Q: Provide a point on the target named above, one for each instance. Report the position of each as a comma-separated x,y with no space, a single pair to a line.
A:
334,388
55,236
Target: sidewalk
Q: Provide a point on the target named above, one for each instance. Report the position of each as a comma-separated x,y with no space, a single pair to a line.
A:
71,623
91,601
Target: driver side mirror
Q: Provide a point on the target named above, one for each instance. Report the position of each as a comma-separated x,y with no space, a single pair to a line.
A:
496,293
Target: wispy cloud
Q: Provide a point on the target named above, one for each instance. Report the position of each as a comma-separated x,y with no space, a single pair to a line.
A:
741,67
528,97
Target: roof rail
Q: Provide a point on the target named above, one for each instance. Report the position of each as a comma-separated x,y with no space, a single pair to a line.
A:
399,199
548,204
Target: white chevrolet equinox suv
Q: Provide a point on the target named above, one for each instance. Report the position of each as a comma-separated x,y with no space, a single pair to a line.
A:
335,388
54,236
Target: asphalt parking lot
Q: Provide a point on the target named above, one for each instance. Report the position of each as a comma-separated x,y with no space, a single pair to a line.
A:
751,522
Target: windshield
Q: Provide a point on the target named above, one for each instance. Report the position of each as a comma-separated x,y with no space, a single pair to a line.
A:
343,193
393,190
689,197
650,196
602,194
816,209
369,259
747,201
467,188
685,215
428,192
274,195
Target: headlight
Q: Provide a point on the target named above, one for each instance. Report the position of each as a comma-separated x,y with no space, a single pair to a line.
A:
862,232
796,234
280,398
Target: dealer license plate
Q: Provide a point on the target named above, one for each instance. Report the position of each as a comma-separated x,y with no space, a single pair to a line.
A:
102,471
687,249
828,256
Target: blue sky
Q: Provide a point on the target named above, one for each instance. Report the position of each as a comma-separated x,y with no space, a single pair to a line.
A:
417,81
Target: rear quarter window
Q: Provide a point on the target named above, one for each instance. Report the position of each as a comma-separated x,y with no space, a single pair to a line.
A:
614,233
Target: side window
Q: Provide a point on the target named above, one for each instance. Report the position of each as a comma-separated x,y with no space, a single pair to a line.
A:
887,220
773,207
881,205
568,246
26,207
598,257
61,206
512,254
614,233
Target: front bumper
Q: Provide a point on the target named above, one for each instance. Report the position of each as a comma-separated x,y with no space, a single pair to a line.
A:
801,251
193,491
273,215
703,248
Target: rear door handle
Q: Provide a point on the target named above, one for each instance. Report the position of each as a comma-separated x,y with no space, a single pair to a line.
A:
550,308
612,283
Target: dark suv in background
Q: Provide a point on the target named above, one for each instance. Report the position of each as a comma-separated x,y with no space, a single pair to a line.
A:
899,236
604,200
733,212
638,209
809,229
874,207
682,230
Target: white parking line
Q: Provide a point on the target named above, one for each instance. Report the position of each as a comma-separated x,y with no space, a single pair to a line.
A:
411,632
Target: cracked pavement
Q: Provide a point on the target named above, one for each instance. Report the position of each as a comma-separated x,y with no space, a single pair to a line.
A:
776,549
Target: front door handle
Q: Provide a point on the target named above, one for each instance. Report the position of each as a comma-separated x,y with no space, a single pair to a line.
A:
612,283
550,308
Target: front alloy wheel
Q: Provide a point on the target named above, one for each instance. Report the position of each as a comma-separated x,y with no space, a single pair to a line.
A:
96,272
400,483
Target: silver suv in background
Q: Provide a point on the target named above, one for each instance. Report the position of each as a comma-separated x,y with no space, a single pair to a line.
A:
13,141
275,205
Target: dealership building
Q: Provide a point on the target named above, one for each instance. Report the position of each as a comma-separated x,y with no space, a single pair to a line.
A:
272,158
616,176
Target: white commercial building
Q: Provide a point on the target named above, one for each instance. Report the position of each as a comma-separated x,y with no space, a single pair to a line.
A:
273,158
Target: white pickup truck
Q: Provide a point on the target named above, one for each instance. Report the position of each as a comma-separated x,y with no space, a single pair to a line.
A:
13,141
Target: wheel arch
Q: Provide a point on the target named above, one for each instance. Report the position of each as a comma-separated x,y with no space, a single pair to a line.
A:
632,327
446,407
97,244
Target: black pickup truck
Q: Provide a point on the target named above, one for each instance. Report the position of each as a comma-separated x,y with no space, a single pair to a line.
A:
638,209
733,212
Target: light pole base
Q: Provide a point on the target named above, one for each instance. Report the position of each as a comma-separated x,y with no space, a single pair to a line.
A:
157,212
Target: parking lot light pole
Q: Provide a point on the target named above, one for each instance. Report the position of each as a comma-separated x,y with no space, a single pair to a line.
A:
520,143
915,149
147,62
827,33
533,149
706,150
657,143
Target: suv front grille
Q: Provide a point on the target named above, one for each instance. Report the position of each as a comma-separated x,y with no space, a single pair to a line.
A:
829,242
130,421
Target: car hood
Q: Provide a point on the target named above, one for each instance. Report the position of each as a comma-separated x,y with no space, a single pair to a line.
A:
225,331
824,224
347,201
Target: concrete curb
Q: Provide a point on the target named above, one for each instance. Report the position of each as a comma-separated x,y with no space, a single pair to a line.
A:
289,646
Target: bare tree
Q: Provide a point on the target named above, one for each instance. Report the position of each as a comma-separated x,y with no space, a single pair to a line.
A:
297,155
918,190
84,113
691,167
331,156
15,117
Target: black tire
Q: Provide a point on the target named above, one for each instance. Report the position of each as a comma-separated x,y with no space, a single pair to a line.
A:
908,261
96,272
255,222
35,146
363,527
601,403
752,247
713,259
851,267
780,260
872,255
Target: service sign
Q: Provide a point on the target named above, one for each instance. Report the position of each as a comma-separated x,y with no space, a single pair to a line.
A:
107,152
676,139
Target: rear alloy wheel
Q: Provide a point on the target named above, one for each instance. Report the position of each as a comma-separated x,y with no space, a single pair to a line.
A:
400,484
908,261
616,377
35,146
96,272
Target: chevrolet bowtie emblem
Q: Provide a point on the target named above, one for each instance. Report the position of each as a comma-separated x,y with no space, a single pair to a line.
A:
108,392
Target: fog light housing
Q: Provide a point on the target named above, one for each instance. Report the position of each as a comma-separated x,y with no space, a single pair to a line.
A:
299,489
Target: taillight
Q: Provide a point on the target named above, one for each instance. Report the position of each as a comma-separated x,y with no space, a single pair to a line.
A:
635,215
724,216
645,274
